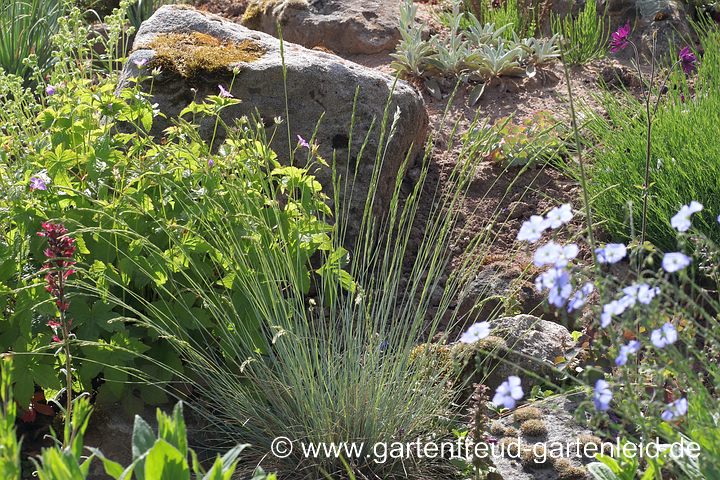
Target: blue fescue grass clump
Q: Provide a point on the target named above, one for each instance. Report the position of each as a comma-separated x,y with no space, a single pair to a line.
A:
684,158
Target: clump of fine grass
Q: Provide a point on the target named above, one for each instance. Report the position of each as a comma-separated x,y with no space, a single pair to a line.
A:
585,37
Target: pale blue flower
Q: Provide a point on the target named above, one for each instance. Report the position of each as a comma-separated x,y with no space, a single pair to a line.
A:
611,253
475,332
509,392
681,220
557,282
675,410
615,308
555,254
646,293
559,216
631,348
664,336
602,396
580,297
675,261
532,230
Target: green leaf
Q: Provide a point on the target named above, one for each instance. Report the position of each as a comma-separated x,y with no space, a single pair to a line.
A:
165,462
600,471
143,440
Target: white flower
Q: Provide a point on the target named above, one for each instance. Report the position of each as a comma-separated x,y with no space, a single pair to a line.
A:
559,216
646,293
475,332
509,392
532,229
675,261
681,220
611,253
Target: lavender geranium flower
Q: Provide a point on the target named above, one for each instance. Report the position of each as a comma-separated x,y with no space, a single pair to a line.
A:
688,60
475,332
50,90
631,348
140,62
602,396
664,336
675,261
620,38
533,229
302,142
559,216
675,410
509,392
39,181
681,220
611,253
224,93
579,298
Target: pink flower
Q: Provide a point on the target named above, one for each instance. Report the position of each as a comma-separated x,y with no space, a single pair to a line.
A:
224,93
58,266
302,142
619,40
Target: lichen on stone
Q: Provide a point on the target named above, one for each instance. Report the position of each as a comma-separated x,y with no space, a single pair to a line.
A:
191,53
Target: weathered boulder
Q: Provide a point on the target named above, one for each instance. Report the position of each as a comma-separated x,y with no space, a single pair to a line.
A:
343,26
523,345
198,52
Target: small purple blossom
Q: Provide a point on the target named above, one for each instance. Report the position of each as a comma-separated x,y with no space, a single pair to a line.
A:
509,392
675,410
631,348
224,93
611,253
619,39
688,60
50,90
475,332
211,162
533,229
664,336
302,142
37,183
675,261
602,395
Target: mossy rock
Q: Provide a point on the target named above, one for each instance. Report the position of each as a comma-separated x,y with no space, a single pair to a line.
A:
257,8
189,54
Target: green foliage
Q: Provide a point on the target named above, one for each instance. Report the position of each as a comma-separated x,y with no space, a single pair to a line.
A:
164,456
27,28
683,156
141,10
471,50
133,207
584,38
536,137
521,19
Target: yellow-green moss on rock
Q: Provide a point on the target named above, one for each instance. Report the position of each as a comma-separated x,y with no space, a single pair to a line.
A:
258,8
191,53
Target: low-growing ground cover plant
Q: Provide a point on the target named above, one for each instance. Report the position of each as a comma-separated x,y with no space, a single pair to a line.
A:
471,50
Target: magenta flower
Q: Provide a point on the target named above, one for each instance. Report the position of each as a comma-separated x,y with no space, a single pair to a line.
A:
688,60
224,93
619,40
59,263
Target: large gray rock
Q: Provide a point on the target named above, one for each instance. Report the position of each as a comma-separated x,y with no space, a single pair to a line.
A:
198,51
343,26
523,345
